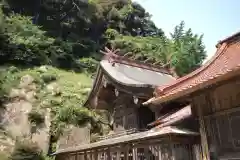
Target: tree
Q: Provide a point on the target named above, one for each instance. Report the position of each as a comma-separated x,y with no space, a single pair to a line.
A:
180,54
188,50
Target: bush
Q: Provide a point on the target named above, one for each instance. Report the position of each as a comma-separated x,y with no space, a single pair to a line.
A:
111,34
26,150
47,77
89,64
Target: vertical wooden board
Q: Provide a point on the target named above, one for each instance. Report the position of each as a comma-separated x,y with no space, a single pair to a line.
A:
71,156
181,152
234,119
224,131
227,95
80,156
200,101
160,152
197,152
108,154
166,152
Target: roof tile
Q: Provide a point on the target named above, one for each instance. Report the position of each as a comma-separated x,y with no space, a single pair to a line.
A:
225,60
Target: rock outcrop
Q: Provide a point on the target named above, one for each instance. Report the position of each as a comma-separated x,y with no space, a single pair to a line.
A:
14,116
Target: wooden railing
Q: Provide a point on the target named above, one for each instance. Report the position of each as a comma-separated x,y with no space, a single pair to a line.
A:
120,133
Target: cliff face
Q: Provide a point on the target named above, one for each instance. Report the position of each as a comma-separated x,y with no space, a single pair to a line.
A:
14,116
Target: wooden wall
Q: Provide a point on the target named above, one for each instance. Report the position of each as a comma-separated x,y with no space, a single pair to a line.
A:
220,98
125,113
220,109
125,117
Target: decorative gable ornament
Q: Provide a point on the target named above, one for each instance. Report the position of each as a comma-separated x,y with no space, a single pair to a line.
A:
135,100
105,83
116,92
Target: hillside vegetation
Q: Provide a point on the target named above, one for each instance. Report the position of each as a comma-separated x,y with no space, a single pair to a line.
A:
53,46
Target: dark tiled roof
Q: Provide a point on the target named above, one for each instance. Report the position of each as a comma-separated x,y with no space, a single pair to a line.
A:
130,76
134,76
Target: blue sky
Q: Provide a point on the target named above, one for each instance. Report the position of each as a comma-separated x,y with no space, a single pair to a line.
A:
216,19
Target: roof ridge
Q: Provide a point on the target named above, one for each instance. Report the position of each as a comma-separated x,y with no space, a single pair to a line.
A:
115,58
195,72
229,38
124,60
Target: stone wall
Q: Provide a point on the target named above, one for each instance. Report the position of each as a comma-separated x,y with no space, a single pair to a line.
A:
74,136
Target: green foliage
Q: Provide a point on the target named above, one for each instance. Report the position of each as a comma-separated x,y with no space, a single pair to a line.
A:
78,116
26,150
27,33
111,34
182,53
4,156
188,48
89,63
8,79
27,44
47,78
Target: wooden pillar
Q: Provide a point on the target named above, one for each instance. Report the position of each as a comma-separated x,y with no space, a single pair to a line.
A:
85,156
95,154
204,141
92,154
118,153
134,153
108,154
146,153
126,152
159,153
173,151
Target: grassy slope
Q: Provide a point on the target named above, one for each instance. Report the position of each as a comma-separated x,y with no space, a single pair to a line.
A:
69,82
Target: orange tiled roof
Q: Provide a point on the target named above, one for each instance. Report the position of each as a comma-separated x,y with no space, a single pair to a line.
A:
226,60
